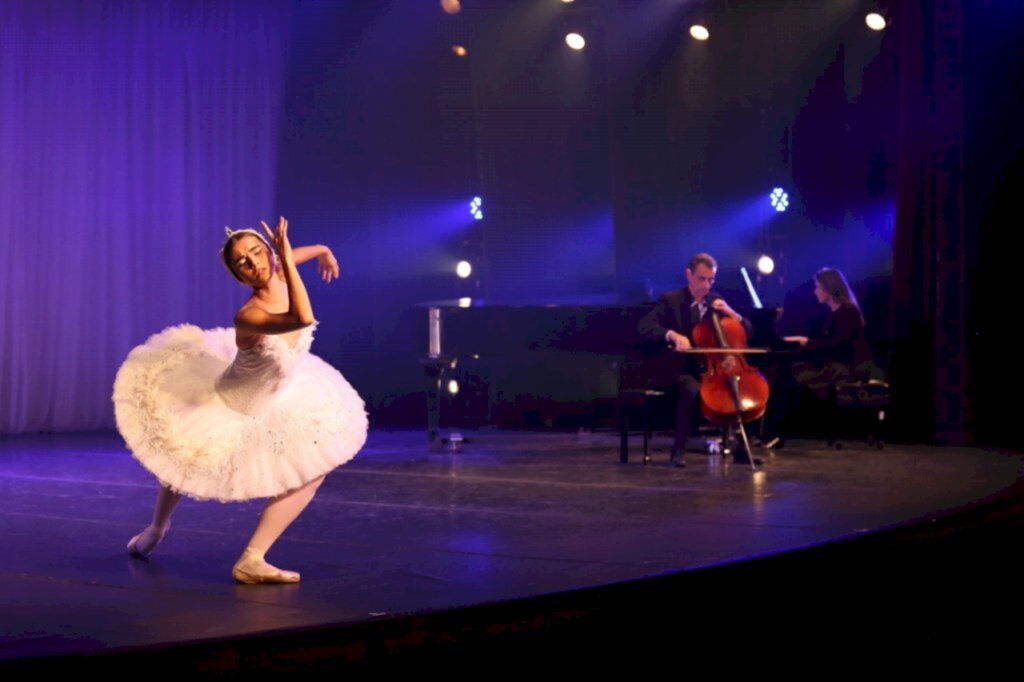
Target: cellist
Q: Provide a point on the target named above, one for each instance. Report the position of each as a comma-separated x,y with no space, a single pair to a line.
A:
670,325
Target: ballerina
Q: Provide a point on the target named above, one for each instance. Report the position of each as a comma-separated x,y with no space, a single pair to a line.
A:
245,412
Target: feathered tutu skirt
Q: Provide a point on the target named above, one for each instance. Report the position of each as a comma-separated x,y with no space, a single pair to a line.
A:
299,419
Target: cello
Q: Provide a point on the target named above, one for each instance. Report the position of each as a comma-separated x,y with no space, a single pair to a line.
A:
732,392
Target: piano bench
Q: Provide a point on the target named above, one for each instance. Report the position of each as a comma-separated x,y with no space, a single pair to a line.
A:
860,407
629,400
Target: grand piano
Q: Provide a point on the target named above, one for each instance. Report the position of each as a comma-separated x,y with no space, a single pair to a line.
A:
531,361
530,364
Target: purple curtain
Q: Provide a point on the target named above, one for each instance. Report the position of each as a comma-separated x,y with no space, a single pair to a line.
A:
131,133
929,372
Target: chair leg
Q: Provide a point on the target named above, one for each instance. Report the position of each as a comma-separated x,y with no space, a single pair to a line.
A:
878,429
623,436
833,422
647,432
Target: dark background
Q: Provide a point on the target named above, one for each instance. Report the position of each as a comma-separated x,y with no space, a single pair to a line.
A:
603,170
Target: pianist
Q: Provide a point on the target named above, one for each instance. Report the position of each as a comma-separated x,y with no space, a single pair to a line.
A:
839,352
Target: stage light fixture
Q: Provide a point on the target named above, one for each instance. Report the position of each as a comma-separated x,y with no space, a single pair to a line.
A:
451,6
465,302
575,41
453,386
766,265
699,32
463,269
780,200
476,208
875,21
459,50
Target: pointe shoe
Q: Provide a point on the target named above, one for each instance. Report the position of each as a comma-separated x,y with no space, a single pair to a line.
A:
252,569
143,544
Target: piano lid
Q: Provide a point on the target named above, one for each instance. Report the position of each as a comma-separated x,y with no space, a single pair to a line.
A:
503,329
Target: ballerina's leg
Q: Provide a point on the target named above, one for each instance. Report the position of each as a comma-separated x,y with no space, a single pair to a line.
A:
143,544
277,515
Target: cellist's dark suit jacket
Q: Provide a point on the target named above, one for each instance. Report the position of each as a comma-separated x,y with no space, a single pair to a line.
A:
677,312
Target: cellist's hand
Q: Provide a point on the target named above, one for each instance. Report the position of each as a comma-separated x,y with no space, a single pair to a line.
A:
721,306
678,342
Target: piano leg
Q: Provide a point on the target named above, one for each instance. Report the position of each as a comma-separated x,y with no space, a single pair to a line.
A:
435,368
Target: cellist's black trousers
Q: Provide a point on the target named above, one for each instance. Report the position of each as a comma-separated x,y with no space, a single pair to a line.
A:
687,403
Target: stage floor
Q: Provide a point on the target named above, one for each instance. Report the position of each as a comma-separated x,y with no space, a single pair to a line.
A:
400,530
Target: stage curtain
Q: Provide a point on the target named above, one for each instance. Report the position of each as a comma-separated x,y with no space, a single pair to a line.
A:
131,133
928,364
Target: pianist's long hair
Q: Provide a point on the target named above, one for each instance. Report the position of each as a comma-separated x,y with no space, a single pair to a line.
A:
835,285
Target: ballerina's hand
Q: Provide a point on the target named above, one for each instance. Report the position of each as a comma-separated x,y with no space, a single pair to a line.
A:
327,264
280,238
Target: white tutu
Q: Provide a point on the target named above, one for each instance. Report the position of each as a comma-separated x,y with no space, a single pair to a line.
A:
214,422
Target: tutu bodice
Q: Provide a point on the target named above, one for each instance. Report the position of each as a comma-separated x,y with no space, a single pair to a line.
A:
257,375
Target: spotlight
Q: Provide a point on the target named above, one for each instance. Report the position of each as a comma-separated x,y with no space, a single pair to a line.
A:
699,32
780,200
575,41
875,21
451,6
765,265
567,1
453,386
463,269
459,50
476,208
465,302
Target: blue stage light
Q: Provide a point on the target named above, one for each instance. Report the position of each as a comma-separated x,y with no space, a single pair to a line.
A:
780,200
476,208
